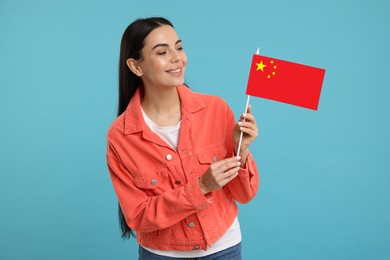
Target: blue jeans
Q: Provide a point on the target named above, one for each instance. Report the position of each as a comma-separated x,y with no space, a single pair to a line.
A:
231,253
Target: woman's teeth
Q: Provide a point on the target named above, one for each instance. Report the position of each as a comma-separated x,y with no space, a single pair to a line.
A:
174,71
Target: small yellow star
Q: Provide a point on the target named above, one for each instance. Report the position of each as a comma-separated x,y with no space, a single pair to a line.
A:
260,66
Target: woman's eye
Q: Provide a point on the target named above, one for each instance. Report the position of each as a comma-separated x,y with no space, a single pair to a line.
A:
161,53
180,48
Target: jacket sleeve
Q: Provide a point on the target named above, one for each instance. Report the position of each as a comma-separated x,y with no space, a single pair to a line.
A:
147,213
244,187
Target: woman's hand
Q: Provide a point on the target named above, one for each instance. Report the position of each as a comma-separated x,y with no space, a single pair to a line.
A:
219,174
250,130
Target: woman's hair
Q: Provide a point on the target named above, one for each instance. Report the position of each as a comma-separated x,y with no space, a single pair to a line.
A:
133,40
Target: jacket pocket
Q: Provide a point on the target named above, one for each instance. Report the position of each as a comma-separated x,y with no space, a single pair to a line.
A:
212,155
208,156
153,182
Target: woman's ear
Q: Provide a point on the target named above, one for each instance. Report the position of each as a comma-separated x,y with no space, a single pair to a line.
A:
133,66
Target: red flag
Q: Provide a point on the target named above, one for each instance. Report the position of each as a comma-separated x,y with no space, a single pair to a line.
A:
285,81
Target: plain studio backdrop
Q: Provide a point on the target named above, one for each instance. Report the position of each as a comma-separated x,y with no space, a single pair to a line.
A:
324,190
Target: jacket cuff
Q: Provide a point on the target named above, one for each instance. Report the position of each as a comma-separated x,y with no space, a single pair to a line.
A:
247,169
195,195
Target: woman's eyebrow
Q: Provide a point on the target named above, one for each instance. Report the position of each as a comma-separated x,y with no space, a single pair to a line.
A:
165,44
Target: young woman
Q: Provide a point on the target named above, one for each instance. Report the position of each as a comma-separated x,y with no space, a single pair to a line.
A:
171,153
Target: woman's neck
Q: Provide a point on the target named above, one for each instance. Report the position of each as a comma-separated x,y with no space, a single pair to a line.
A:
162,106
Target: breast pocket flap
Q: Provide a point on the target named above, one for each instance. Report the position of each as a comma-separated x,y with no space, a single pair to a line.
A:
147,180
212,155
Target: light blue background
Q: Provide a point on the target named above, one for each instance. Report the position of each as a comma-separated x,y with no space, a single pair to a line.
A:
324,174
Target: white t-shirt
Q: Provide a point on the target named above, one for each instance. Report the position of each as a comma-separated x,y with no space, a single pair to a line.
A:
170,134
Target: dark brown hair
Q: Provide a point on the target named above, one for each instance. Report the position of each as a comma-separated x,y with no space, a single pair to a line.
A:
133,40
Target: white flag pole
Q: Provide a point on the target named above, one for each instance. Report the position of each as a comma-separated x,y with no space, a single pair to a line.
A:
242,133
246,111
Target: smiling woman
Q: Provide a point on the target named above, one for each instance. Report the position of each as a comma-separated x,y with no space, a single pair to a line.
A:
163,60
177,182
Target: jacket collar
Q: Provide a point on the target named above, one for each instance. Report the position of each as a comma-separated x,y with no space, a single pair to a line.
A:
134,122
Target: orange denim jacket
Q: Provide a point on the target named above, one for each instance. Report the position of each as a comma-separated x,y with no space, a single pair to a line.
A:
157,186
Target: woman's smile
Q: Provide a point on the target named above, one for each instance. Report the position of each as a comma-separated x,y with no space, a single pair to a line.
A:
175,72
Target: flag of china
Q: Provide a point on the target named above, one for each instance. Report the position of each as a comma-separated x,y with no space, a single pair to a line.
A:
285,81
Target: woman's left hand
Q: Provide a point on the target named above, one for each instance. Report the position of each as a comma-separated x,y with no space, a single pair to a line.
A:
246,124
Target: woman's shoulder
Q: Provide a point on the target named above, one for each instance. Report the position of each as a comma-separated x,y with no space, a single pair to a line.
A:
210,98
117,126
207,99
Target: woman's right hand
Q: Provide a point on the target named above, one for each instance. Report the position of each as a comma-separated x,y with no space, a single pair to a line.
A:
219,174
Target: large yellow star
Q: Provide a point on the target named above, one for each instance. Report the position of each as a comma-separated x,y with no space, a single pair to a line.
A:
260,66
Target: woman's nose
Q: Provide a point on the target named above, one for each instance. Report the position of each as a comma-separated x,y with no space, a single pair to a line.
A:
175,57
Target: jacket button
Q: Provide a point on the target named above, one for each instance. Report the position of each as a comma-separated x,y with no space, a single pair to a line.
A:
177,181
153,182
196,247
191,224
215,158
168,157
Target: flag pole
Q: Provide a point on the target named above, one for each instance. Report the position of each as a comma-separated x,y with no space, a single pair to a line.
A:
246,111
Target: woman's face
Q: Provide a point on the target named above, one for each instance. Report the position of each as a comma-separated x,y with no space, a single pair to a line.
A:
163,60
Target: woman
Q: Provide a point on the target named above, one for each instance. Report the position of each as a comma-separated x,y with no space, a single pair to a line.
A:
171,153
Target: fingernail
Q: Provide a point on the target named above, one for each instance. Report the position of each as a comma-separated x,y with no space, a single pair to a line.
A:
238,157
243,114
239,123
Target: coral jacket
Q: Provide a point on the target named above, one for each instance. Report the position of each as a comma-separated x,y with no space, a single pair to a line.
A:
157,186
